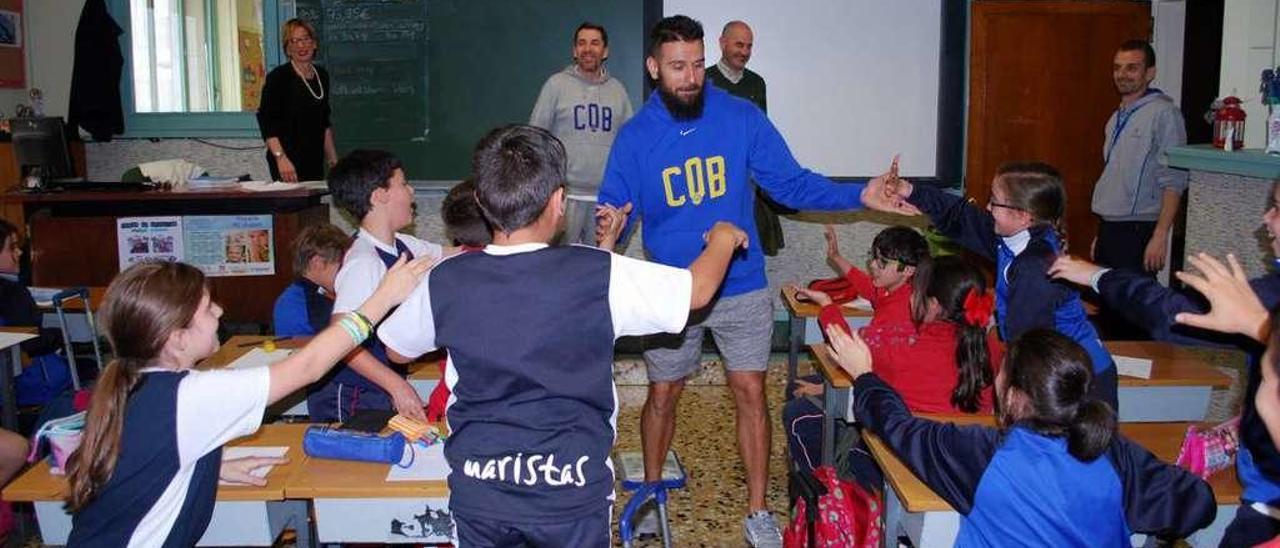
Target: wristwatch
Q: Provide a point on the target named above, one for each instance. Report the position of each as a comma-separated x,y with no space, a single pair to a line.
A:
278,154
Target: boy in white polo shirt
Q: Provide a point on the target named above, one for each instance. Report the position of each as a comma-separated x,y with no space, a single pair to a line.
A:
371,186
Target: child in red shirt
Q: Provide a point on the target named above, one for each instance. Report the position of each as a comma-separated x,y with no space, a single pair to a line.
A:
942,361
896,253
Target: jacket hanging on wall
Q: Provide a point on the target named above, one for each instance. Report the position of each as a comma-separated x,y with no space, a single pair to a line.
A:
95,80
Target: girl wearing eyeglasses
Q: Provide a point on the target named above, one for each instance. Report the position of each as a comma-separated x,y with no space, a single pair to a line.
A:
1021,231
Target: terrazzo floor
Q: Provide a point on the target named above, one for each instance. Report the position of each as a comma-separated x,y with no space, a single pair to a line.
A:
709,511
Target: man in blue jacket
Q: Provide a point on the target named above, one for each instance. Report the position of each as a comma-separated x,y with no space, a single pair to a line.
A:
684,162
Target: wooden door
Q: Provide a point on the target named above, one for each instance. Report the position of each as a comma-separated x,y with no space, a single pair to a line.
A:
1040,88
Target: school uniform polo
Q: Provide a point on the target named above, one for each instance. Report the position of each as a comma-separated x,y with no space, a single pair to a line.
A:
529,331
162,490
363,267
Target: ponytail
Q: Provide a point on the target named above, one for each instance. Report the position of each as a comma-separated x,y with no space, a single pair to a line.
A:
1037,188
1052,374
1091,432
973,361
144,305
91,465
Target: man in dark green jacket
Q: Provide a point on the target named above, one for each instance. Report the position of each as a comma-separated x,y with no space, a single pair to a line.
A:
732,75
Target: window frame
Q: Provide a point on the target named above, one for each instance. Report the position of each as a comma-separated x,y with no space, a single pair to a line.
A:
194,124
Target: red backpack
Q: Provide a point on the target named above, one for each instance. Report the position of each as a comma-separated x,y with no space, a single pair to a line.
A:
846,514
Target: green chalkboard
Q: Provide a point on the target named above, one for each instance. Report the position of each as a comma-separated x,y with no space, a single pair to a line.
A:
426,79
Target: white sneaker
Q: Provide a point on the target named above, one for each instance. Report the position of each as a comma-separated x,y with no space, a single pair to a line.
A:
762,530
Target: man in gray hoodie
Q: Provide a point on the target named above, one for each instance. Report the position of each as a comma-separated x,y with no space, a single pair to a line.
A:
583,107
1138,194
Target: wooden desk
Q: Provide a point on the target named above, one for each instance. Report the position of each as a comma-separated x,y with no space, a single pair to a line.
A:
73,236
1179,389
353,502
424,374
801,316
11,362
913,508
244,515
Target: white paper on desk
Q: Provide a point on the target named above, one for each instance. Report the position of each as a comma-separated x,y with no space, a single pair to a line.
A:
10,339
259,358
268,186
860,304
1133,367
428,464
242,451
44,295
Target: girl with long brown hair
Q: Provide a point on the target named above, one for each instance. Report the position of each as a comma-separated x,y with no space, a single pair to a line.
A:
148,468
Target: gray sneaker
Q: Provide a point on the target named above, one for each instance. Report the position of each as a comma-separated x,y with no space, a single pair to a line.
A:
762,530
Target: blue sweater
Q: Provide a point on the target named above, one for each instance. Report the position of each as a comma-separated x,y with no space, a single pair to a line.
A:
1145,302
681,177
1023,488
1026,298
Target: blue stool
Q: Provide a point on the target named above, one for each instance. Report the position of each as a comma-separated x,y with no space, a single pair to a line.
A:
632,468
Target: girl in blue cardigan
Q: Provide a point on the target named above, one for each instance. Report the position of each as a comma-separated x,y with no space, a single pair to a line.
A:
1054,473
1019,230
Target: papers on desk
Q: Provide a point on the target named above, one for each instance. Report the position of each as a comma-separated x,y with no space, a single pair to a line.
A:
260,358
242,451
44,295
428,464
10,339
268,186
860,304
1133,367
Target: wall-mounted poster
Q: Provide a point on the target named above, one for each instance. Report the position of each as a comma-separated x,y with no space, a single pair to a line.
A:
230,245
141,239
12,51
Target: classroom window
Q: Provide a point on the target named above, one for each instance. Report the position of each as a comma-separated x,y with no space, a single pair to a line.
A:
197,55
195,68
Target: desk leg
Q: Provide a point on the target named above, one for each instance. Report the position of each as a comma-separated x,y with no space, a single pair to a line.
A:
793,353
10,405
829,418
892,516
292,514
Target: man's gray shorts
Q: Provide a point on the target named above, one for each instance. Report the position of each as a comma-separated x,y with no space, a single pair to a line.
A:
742,326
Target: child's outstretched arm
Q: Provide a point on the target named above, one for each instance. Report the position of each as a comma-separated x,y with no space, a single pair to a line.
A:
956,218
949,459
723,240
312,361
833,251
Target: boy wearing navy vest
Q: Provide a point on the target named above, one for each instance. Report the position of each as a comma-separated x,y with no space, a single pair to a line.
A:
529,331
304,307
370,185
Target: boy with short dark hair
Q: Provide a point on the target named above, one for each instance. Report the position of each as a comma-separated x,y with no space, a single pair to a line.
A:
529,331
463,222
371,186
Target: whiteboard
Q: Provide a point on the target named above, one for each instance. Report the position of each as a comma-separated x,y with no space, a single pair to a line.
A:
850,82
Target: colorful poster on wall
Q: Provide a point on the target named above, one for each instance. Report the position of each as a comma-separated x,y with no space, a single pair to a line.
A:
12,52
253,70
230,245
140,239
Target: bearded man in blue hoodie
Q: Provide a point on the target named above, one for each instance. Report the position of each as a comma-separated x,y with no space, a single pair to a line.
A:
684,162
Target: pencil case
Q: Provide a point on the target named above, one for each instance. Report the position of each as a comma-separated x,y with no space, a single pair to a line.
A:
327,442
1208,450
